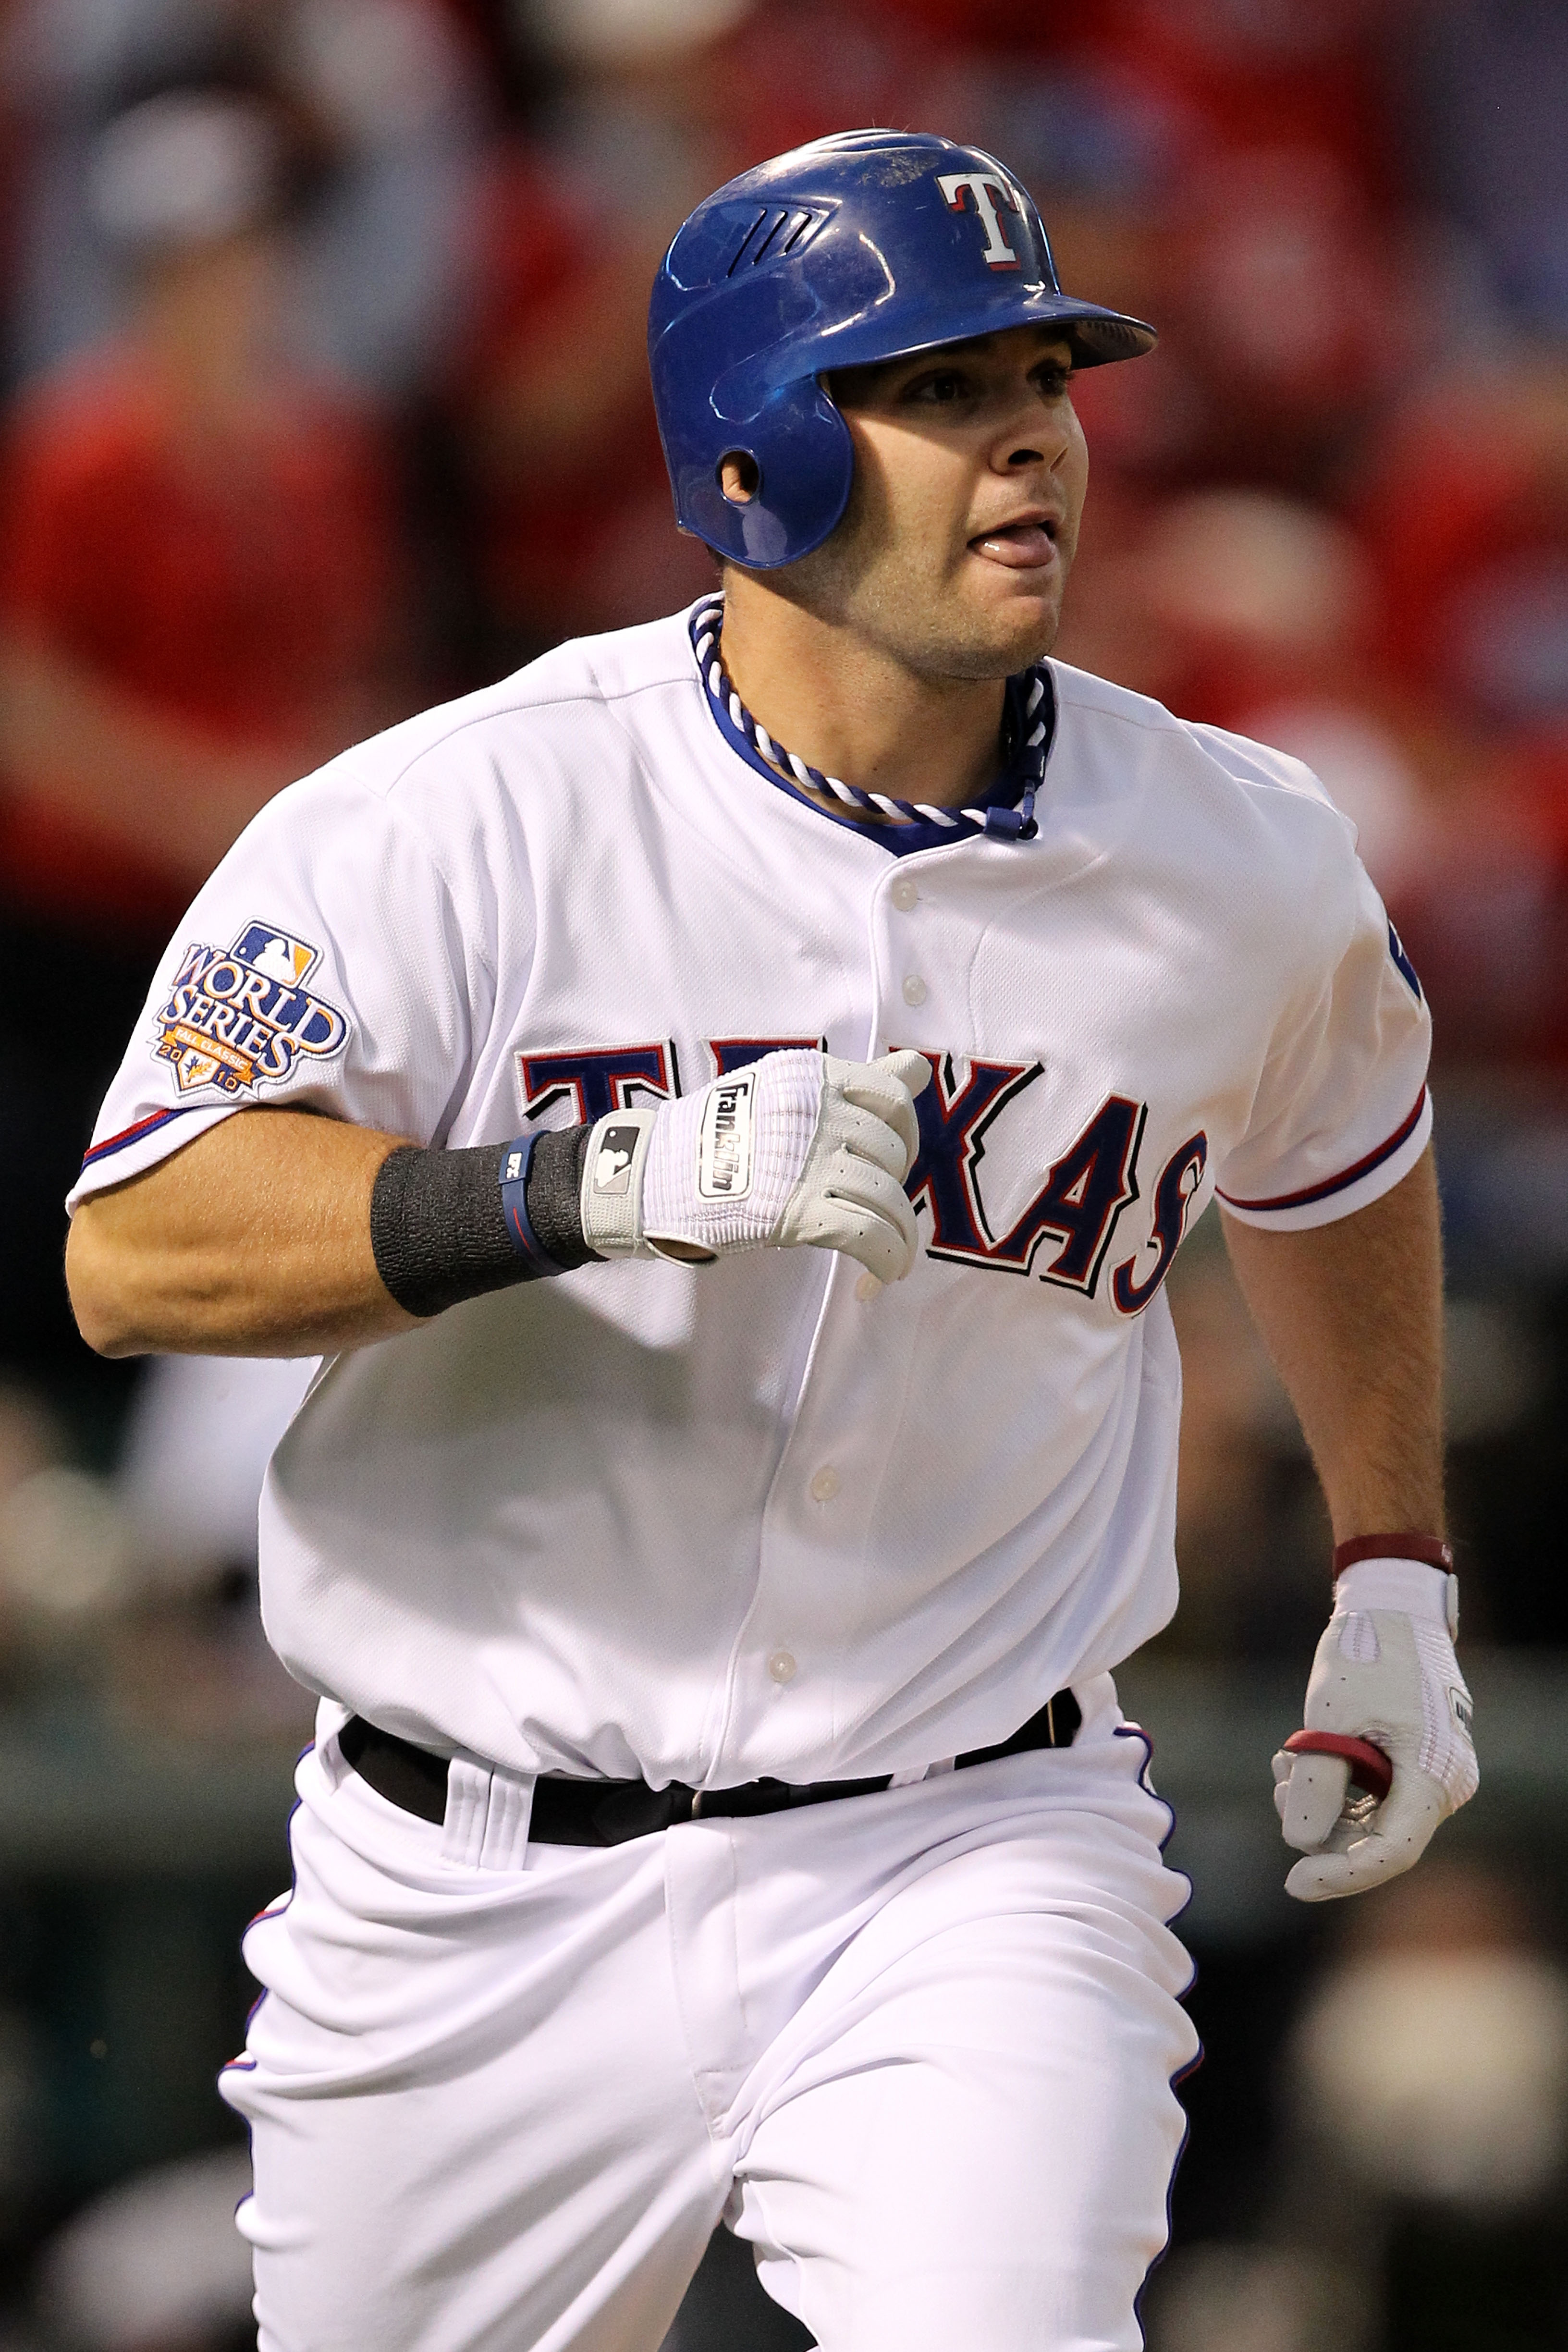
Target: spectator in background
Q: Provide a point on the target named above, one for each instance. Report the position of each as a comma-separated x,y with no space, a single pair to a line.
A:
381,94
1464,506
1430,2064
1423,2099
152,2264
1484,82
197,587
1470,476
550,400
1294,313
1259,613
1427,2089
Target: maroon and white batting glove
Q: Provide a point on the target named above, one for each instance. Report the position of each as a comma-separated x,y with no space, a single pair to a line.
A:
1386,1752
798,1149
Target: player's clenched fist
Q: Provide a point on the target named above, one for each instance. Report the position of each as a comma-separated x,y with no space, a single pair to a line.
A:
1385,1678
799,1148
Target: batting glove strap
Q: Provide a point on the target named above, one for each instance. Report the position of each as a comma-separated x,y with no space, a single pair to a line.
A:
1388,1676
1431,1593
613,1171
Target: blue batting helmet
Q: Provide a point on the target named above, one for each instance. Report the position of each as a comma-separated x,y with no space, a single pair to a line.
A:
863,247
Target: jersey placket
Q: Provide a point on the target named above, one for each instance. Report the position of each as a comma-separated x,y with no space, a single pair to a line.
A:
787,1696
818,1533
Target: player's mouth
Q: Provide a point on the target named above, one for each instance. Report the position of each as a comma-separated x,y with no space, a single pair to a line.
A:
1028,543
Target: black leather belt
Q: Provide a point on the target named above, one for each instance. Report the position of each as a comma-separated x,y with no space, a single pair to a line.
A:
607,1813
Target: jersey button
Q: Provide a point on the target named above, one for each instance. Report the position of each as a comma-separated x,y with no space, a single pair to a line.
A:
904,893
868,1288
914,990
781,1667
825,1485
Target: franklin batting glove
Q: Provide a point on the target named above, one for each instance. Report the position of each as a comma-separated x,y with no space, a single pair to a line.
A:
1385,1678
797,1149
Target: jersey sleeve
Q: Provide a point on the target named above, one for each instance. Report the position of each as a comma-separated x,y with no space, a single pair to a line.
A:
1342,1112
325,966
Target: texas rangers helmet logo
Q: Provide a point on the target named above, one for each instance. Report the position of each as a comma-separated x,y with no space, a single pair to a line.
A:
988,189
238,1018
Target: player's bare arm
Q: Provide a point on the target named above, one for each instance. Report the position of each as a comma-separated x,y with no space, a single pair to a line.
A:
280,1234
1351,1314
253,1241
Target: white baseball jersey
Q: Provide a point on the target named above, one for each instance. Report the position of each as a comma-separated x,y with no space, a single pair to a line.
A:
760,1517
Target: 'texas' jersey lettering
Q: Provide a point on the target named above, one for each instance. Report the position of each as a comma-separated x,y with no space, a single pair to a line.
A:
594,1081
1064,1235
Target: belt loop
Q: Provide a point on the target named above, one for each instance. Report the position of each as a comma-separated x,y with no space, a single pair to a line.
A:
488,1814
467,1807
505,1846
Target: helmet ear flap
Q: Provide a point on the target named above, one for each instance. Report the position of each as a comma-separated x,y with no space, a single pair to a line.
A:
804,461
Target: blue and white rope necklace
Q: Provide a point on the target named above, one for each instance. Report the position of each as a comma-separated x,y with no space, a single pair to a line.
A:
1001,823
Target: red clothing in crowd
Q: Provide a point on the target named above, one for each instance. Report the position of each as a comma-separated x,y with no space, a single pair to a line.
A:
580,535
239,590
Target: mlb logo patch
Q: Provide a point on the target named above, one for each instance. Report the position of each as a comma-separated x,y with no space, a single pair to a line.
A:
275,953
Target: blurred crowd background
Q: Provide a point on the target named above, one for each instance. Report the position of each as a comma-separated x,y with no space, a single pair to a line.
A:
322,324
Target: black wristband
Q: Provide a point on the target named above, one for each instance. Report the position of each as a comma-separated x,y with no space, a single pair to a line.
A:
439,1232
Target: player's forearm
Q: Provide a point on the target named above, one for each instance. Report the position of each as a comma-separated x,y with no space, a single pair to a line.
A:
280,1234
1351,1314
253,1241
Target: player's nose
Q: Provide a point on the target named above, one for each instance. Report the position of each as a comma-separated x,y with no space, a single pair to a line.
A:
1032,433
1027,444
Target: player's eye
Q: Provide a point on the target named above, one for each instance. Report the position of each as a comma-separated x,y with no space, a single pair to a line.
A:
1053,379
938,388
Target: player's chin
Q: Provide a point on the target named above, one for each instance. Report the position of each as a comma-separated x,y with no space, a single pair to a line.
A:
1017,619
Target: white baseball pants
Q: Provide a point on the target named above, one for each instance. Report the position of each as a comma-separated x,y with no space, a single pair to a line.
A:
918,2047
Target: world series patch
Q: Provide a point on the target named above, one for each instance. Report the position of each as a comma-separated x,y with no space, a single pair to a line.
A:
238,1018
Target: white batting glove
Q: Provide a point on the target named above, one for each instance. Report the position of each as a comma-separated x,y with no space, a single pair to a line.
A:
1385,1673
797,1149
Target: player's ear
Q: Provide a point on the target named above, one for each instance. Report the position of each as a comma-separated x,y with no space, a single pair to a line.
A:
739,477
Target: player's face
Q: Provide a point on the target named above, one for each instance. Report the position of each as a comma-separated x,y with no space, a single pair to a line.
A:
970,473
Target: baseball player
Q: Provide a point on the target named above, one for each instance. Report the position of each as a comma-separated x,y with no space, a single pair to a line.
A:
722,1104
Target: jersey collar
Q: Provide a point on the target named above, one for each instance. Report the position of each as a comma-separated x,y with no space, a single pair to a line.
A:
899,840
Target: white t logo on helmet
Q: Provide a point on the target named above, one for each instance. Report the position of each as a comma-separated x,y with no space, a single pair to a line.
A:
986,187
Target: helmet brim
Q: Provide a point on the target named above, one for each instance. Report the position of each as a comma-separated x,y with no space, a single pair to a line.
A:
1098,336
